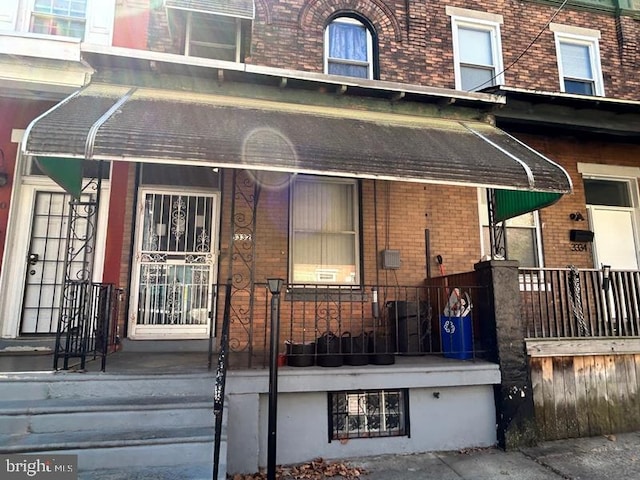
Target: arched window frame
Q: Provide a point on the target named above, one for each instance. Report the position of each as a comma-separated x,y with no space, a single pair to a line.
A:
371,40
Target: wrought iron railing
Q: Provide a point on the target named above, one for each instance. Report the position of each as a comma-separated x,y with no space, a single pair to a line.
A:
346,325
87,329
221,376
567,302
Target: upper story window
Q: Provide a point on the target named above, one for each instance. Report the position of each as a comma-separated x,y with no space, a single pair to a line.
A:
216,29
578,56
477,48
324,231
59,17
523,236
213,36
348,48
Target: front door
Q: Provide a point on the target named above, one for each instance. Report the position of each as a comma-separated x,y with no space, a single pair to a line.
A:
175,265
45,261
612,216
614,237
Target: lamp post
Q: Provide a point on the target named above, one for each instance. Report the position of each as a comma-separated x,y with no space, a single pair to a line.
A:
275,285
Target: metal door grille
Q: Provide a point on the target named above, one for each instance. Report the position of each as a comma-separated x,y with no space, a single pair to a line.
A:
45,262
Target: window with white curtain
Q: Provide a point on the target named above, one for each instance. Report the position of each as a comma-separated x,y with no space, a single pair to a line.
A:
348,48
324,231
477,49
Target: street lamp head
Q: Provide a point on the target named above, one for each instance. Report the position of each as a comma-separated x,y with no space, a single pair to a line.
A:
275,285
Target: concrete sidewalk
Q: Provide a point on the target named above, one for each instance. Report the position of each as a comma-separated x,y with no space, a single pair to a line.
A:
598,458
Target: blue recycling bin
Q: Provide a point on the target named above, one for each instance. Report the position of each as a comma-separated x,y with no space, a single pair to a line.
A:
456,336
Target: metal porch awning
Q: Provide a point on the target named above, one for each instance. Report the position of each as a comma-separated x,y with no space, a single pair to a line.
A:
113,122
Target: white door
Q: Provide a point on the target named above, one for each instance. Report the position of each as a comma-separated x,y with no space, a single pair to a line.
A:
614,237
175,265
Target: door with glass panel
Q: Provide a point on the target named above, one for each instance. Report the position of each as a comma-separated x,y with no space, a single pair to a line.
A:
175,265
45,273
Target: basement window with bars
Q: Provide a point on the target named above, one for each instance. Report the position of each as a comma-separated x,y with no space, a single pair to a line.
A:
368,414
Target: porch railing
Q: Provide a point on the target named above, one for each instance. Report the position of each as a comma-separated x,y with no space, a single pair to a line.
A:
567,302
347,325
87,328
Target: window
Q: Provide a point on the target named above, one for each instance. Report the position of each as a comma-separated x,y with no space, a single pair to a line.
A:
213,36
59,17
324,231
522,235
348,48
364,414
578,60
476,48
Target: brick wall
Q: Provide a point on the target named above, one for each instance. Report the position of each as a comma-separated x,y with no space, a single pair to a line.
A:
555,219
415,45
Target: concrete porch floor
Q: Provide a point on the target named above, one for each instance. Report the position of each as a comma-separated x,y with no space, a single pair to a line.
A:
177,363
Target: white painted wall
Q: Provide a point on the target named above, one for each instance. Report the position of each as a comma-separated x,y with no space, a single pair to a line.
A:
462,415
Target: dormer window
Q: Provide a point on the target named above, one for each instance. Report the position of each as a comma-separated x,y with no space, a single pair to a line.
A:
59,17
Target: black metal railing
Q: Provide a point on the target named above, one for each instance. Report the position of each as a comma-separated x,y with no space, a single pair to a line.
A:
87,328
221,375
346,325
570,302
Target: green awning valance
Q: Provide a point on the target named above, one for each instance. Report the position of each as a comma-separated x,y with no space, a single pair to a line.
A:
511,203
66,172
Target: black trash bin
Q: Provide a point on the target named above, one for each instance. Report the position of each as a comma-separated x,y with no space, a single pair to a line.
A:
410,325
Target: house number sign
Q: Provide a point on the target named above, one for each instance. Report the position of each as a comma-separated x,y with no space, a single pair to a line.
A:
242,237
579,247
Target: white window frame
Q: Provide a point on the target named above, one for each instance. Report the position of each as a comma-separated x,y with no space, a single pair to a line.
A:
488,22
565,34
187,40
486,249
368,63
325,275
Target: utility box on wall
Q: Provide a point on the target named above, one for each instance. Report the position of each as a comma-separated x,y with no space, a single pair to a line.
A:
391,259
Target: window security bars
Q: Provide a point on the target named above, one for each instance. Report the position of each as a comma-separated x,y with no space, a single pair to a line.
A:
365,414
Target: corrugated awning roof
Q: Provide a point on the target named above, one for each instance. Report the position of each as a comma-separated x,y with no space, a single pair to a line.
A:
231,8
118,123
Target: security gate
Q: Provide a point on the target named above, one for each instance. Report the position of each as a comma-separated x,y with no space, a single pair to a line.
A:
174,265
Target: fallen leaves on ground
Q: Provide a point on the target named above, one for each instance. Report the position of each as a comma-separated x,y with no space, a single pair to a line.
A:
317,469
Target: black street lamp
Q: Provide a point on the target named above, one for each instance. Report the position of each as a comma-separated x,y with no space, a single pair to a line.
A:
275,285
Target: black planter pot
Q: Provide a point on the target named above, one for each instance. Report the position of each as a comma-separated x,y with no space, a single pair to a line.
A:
300,354
329,351
355,349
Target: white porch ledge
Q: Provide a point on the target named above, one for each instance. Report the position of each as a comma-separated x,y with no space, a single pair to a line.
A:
407,372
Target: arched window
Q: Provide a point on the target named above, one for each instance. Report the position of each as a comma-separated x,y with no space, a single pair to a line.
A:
348,48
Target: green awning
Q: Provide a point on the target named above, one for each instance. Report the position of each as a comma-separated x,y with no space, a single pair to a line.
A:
66,172
511,203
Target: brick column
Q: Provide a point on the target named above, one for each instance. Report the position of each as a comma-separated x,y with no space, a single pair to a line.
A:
502,332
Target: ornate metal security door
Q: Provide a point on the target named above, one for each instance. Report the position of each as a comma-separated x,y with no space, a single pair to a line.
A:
174,265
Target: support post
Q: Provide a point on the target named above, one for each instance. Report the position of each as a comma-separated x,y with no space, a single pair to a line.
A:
503,332
275,285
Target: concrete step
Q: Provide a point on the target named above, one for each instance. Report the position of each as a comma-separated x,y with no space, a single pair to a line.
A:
65,416
56,385
109,421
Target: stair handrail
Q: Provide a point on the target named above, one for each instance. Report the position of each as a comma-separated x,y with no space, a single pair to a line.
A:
221,379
